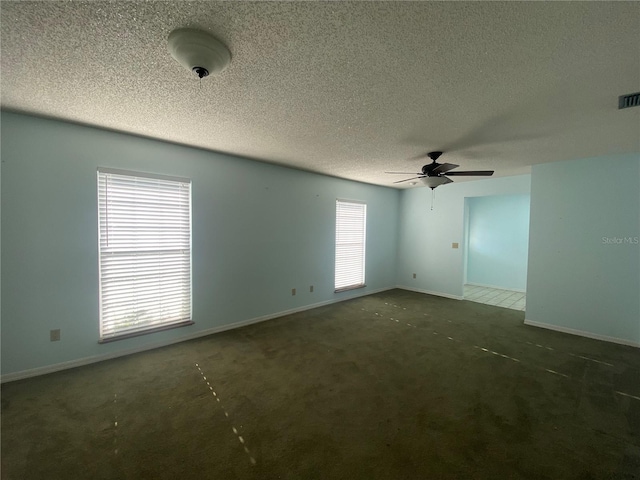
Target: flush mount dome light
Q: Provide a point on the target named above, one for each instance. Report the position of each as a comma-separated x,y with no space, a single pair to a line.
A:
198,51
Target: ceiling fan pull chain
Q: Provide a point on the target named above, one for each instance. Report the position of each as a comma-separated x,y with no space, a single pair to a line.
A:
433,196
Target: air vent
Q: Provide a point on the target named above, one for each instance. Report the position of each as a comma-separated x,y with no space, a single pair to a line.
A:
630,100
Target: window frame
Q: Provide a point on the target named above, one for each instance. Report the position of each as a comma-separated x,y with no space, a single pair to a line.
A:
156,327
362,284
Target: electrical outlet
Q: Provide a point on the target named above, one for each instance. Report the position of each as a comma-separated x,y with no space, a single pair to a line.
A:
414,275
293,291
311,289
454,245
54,335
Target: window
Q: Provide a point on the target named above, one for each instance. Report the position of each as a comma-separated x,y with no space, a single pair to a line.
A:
351,220
144,226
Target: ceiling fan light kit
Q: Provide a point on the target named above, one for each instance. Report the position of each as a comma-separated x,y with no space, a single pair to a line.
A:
198,51
433,182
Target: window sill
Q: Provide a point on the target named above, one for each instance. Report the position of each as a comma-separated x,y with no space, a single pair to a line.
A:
351,287
124,336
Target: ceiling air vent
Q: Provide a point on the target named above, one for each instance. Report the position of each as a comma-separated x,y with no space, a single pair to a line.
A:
630,100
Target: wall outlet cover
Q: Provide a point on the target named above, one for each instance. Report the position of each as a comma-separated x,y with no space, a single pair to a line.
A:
54,335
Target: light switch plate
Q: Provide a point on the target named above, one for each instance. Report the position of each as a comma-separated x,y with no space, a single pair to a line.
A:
454,245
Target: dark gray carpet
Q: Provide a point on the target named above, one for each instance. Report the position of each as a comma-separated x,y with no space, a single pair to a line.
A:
396,385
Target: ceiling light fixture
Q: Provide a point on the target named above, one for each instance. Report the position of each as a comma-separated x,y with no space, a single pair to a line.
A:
198,51
433,182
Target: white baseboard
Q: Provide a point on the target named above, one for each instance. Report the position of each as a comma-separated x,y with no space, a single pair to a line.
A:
33,372
430,292
520,290
582,333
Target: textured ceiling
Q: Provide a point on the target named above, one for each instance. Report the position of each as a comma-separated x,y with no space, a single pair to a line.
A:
349,89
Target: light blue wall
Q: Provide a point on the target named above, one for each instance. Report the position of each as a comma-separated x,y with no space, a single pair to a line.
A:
258,231
498,241
426,236
580,279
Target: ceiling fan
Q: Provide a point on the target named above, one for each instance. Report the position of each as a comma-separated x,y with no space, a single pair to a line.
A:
435,174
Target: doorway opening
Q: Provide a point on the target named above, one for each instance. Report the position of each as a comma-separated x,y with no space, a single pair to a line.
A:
496,246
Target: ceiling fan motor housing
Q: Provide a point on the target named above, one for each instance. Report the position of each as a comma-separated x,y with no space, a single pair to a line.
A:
428,169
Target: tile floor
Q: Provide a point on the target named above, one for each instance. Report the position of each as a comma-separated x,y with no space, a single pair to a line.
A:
495,296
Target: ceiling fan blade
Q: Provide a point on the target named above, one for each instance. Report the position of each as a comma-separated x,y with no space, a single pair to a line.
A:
403,173
472,173
444,167
407,179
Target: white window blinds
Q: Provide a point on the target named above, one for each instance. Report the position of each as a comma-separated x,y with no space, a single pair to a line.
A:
351,219
145,252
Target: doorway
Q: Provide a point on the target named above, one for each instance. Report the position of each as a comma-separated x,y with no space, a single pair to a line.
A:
496,245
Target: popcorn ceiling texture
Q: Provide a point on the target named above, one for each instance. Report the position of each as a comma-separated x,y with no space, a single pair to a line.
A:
350,89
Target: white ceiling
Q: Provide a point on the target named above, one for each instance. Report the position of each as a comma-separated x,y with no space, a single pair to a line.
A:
349,89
